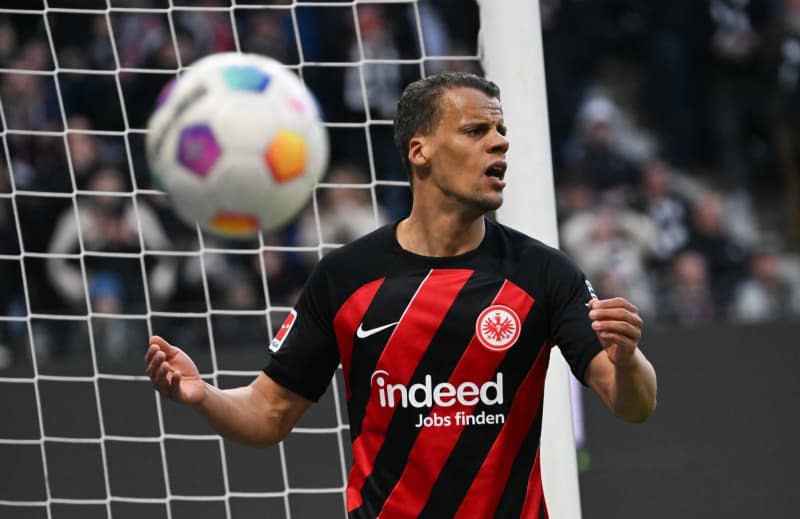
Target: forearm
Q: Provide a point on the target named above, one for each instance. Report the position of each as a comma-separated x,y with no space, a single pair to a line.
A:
240,415
632,394
260,414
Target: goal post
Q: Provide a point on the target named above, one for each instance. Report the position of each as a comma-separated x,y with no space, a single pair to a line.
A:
511,44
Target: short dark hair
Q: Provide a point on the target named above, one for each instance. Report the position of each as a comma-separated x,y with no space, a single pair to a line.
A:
418,109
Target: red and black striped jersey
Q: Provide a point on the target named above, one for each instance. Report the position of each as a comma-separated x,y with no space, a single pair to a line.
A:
444,361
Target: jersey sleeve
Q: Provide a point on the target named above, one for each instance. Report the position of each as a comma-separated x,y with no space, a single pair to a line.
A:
570,326
303,354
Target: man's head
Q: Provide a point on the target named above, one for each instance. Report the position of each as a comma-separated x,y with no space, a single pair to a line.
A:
419,107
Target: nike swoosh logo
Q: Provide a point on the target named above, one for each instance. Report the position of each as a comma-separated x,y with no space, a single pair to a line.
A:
361,333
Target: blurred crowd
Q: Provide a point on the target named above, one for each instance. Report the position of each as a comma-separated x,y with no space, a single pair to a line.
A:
675,130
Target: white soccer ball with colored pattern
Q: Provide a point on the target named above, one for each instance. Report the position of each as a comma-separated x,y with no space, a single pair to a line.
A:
238,143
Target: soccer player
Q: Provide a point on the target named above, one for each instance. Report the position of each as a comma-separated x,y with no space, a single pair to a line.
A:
443,323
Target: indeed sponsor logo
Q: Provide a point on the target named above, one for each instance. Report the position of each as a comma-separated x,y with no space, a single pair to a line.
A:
443,394
426,394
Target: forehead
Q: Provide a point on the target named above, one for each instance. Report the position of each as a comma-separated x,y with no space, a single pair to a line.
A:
463,103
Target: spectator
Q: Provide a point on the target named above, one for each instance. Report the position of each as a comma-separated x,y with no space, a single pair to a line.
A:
725,255
736,101
785,57
84,150
100,50
573,197
108,295
382,81
668,209
138,36
376,101
434,34
32,108
265,33
242,294
674,96
770,292
12,335
595,156
8,41
687,294
108,224
210,31
345,213
613,245
286,273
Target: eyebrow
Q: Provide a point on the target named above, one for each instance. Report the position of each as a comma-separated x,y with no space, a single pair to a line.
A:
484,124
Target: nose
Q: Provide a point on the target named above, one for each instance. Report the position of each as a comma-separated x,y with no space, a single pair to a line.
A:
499,143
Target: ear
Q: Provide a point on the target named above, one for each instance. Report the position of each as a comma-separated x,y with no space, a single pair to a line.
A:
418,152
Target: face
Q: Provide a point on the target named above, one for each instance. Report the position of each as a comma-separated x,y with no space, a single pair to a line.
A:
463,161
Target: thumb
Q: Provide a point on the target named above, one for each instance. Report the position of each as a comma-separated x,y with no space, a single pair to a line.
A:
168,349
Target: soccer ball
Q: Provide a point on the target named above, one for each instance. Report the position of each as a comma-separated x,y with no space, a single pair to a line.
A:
237,143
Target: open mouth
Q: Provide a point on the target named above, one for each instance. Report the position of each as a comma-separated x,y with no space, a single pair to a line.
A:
497,170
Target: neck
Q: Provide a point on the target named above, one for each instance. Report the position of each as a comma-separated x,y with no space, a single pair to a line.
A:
439,234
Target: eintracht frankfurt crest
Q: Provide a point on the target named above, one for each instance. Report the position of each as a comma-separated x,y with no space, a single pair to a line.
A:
498,327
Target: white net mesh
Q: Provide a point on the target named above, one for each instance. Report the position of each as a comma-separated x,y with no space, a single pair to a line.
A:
93,262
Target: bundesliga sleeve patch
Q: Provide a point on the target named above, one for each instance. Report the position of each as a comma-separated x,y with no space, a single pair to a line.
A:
284,330
590,288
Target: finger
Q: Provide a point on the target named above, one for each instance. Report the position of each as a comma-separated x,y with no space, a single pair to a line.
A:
614,302
163,345
611,340
150,353
622,328
161,381
616,314
155,362
158,377
617,347
175,385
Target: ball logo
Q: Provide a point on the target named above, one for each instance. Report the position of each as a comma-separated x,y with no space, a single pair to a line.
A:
498,327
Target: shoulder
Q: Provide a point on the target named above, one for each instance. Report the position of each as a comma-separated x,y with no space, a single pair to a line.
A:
344,269
528,249
544,270
361,251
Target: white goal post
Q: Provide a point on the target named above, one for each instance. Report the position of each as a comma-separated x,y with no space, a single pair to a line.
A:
512,56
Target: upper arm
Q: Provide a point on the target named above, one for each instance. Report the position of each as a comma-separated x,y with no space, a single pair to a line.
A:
304,354
283,407
570,328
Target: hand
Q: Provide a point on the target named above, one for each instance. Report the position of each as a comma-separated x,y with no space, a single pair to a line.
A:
173,373
618,326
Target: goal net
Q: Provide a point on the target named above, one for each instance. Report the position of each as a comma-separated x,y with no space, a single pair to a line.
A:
93,262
